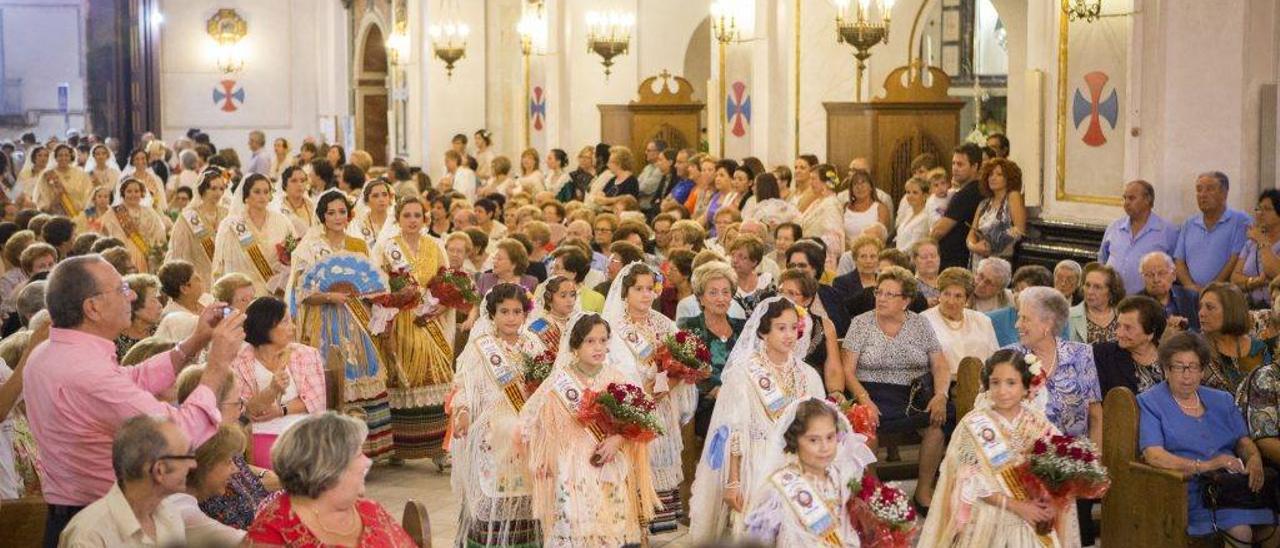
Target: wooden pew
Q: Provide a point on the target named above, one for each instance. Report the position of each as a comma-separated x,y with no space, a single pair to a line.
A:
22,522
1146,506
417,523
968,384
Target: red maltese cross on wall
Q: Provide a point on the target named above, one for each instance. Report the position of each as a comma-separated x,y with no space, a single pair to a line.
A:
229,95
1095,109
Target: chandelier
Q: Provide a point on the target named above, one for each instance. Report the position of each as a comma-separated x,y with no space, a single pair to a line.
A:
449,37
856,27
1084,10
609,35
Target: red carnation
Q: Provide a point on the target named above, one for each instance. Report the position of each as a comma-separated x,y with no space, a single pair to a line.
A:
703,355
1076,453
888,494
1040,447
1088,457
868,486
1061,451
682,336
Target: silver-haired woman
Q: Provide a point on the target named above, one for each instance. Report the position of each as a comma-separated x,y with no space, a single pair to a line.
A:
322,469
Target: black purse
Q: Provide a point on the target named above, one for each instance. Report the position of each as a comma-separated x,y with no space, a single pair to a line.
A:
1223,489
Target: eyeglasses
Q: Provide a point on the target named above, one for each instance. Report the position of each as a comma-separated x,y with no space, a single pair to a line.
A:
124,290
889,294
1183,369
177,457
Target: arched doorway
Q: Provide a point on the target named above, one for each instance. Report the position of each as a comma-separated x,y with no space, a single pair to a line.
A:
372,96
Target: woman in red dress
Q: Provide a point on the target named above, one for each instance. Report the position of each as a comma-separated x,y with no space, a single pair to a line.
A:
322,470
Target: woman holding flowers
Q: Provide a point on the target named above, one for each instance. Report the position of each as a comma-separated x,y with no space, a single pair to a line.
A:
764,374
1193,430
141,228
491,391
639,332
419,352
247,241
812,455
974,504
334,322
591,484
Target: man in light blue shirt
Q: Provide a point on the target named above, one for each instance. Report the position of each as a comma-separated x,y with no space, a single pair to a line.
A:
1211,240
1139,232
259,156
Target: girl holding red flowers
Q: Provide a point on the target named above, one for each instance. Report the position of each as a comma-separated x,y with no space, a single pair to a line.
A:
590,488
813,455
638,332
974,505
487,467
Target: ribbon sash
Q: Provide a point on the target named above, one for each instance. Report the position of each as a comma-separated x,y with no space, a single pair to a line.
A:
771,394
199,231
249,243
637,343
396,256
130,228
501,372
995,452
804,502
569,392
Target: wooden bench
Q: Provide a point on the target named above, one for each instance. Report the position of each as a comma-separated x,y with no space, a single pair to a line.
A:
1146,506
417,523
22,522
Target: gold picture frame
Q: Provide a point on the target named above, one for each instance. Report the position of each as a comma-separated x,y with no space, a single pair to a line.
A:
1061,193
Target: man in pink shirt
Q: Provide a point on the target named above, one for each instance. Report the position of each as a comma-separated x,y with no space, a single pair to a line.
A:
78,395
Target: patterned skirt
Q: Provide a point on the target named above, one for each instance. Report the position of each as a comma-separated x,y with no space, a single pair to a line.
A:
422,364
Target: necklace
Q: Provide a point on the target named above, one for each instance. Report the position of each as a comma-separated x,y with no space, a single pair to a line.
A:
351,529
1191,407
577,366
952,324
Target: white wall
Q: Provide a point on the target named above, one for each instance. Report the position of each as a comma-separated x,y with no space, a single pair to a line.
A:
43,47
296,70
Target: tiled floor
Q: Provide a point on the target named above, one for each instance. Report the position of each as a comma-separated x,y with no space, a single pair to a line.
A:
393,485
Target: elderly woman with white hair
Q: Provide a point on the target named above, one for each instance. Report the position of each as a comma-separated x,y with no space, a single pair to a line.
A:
322,469
991,285
1068,276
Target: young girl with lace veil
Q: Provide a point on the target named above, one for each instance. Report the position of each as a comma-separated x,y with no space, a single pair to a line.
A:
490,392
336,323
589,489
764,373
812,455
973,505
638,331
551,315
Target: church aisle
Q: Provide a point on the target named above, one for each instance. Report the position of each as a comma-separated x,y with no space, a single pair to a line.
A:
392,486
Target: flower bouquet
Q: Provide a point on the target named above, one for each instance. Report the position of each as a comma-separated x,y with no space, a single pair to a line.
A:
882,514
859,416
684,358
537,368
453,288
284,250
621,409
1062,468
405,294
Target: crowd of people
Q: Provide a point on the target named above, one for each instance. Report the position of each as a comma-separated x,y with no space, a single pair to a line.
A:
168,362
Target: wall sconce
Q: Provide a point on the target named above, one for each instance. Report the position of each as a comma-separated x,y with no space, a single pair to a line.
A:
398,47
227,29
609,35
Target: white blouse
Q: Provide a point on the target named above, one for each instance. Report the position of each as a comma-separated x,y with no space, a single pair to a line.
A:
975,338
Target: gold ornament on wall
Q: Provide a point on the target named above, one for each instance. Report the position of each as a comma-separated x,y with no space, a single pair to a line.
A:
228,29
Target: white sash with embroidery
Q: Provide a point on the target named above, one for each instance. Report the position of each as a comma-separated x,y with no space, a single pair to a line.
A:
991,442
805,502
569,391
396,256
770,392
637,343
198,229
502,373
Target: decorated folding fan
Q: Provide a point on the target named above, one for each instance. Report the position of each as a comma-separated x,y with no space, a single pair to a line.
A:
345,272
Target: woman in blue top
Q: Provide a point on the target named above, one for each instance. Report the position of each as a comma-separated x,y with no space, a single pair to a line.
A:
1192,429
1260,259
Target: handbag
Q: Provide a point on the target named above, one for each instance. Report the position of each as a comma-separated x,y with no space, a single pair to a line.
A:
921,391
1223,489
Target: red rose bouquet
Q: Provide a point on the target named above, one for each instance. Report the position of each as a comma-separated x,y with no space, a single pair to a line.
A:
1062,468
537,368
684,357
284,250
405,292
882,514
621,409
453,288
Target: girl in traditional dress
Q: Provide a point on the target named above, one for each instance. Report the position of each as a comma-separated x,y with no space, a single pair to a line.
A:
638,330
822,217
764,373
335,323
101,168
580,503
559,302
139,169
29,177
247,240
193,234
488,470
140,228
373,220
293,202
812,455
64,188
973,504
421,356
90,220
